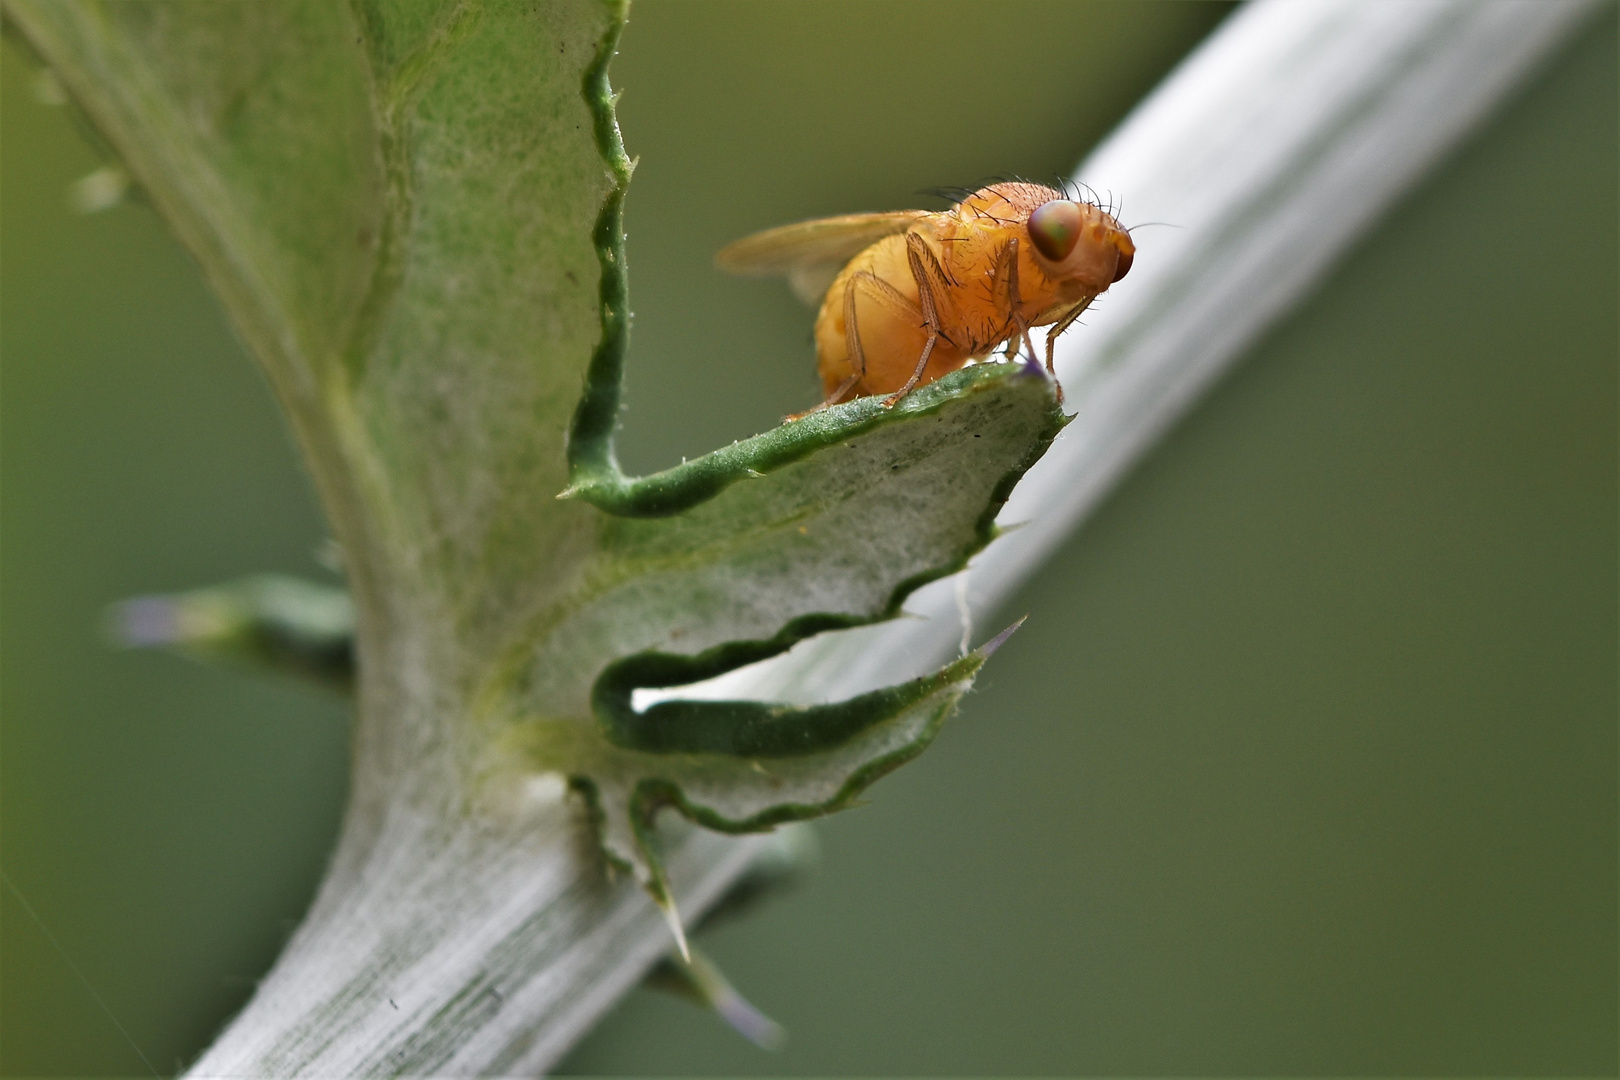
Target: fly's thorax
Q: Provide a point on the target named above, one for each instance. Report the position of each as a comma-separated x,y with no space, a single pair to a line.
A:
975,250
975,235
1068,251
968,249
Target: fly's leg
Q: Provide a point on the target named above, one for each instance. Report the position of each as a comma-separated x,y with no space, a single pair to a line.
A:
1062,325
889,297
1015,314
1007,271
857,355
1015,302
916,251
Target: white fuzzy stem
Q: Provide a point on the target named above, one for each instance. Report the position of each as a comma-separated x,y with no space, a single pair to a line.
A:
446,945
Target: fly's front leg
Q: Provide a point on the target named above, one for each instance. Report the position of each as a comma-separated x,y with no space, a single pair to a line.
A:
1015,315
916,252
1062,325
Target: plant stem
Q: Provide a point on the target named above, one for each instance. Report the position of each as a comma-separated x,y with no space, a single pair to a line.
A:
447,944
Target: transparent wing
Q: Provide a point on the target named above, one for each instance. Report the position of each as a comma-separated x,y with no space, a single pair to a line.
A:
810,253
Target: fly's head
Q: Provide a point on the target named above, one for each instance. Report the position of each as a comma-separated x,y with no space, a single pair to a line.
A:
1079,246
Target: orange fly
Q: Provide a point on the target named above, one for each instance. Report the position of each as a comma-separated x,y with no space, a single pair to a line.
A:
909,296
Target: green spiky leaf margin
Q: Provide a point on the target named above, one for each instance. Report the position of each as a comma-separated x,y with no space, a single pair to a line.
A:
873,505
401,205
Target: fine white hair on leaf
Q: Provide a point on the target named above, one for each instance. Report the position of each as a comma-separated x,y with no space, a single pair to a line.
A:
964,611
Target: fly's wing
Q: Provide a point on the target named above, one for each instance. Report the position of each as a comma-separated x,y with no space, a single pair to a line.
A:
811,253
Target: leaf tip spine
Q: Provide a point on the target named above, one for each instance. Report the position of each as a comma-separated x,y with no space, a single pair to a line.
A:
984,651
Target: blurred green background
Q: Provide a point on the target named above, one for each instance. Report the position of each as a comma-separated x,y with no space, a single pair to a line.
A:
1304,763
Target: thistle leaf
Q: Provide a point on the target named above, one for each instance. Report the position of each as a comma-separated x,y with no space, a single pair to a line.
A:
413,213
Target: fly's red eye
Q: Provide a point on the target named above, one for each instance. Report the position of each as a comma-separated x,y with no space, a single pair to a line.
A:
1054,228
1123,266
